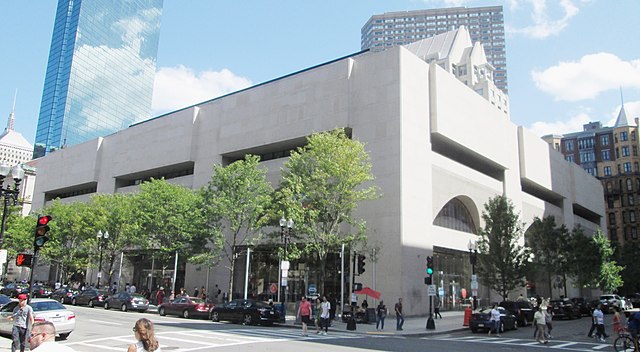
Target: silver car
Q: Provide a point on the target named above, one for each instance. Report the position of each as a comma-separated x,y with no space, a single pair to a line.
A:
44,309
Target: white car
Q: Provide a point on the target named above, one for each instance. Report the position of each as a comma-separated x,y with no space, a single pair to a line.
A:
44,309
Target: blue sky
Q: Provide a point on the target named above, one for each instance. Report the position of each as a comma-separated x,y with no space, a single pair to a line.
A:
566,59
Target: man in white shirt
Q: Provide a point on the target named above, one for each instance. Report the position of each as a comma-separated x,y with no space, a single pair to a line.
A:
43,338
495,318
132,288
325,315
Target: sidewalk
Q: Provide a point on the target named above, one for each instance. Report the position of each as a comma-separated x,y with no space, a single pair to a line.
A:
413,326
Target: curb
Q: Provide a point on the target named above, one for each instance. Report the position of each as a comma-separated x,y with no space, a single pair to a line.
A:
390,333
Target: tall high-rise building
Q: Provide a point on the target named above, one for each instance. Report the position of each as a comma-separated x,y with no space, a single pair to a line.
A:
485,25
100,71
611,154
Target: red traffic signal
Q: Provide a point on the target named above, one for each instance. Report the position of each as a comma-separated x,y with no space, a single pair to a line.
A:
42,227
23,259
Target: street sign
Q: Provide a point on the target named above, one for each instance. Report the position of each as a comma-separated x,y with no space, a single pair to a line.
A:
440,291
474,285
284,265
312,289
285,273
284,282
474,278
431,290
474,293
273,288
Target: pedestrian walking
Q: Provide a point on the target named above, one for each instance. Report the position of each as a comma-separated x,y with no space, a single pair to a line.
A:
593,325
399,316
22,320
598,316
495,320
43,338
196,292
325,315
381,313
160,296
618,322
540,321
132,288
334,305
144,332
304,312
548,318
114,287
436,307
317,316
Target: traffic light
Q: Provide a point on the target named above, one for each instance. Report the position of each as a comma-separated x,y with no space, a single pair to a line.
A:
361,259
427,280
23,259
429,265
42,227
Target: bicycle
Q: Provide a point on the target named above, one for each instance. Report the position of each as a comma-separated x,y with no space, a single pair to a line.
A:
624,343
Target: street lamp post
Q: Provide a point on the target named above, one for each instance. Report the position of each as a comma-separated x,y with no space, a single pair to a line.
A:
286,228
9,194
473,256
102,242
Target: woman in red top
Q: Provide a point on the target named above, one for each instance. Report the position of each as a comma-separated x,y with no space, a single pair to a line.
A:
618,323
304,312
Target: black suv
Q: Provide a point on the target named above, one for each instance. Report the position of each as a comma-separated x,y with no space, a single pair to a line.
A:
523,311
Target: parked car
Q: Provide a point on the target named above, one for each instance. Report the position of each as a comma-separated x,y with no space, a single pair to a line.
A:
635,299
522,310
13,289
4,300
564,308
608,301
481,320
186,307
583,305
64,295
246,311
91,297
40,291
625,303
44,309
127,301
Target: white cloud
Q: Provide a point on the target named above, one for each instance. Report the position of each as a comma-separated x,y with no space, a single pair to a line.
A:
545,23
574,124
588,77
178,87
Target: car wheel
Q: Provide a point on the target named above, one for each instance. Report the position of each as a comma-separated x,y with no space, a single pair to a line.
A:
90,304
215,317
162,312
247,320
474,330
142,310
501,327
64,336
74,302
123,308
106,305
185,314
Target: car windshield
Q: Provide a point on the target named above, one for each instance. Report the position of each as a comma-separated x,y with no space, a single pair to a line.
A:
138,297
47,305
197,300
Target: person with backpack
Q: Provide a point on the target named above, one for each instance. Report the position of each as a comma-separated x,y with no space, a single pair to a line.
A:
634,327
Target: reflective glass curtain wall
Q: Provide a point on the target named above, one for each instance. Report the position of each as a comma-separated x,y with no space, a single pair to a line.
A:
100,71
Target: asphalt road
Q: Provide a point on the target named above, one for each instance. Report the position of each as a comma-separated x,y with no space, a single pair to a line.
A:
101,330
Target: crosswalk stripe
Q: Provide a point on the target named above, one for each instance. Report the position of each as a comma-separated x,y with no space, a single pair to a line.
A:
563,345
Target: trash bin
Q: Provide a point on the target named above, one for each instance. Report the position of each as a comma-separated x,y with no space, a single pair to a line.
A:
467,316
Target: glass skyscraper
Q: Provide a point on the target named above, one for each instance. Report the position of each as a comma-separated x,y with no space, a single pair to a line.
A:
100,71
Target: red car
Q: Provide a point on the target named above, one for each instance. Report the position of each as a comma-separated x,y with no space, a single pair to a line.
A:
186,307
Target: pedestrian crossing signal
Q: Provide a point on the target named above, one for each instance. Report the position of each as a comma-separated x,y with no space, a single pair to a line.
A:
23,259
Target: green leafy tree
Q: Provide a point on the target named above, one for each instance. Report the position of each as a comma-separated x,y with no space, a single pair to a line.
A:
322,185
114,213
502,261
610,278
628,258
69,236
236,200
19,234
584,261
173,219
547,244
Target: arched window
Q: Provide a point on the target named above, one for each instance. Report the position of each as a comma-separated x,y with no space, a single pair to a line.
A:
454,215
629,185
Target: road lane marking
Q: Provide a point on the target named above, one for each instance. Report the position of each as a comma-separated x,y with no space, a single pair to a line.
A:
105,322
599,347
563,345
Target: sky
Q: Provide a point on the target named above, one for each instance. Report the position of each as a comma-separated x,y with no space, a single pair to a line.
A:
569,62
